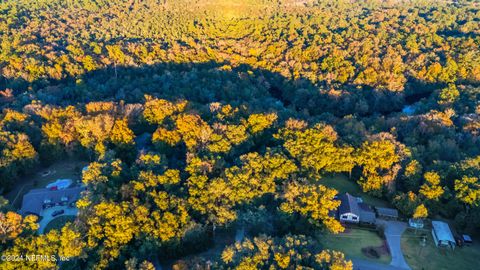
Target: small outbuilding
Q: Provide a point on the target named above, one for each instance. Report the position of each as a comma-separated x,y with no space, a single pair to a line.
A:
415,223
442,235
387,212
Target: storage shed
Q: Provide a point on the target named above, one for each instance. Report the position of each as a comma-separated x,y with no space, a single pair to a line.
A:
416,223
442,235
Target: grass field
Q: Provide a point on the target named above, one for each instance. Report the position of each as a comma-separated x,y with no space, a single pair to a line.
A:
352,241
343,184
64,169
70,169
432,258
58,223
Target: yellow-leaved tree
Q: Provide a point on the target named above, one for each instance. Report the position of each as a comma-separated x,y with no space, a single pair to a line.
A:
12,225
420,212
468,190
312,201
431,189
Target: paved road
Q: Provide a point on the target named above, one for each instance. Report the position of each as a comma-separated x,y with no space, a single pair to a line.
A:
359,264
47,215
393,234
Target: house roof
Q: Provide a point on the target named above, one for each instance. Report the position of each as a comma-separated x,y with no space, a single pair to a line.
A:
442,231
348,204
34,200
366,213
387,212
365,207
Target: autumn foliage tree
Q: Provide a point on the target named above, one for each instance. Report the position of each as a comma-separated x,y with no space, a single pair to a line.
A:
282,253
314,202
316,149
13,224
431,189
468,190
375,158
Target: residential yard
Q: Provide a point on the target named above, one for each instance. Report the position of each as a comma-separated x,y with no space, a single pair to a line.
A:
70,169
343,184
430,257
352,241
58,223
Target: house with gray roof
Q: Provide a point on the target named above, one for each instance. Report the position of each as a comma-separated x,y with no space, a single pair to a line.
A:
367,215
38,199
353,210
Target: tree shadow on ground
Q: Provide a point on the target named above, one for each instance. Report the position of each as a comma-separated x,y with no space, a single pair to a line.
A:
204,83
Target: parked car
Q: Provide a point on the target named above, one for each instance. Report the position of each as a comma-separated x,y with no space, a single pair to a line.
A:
467,239
58,212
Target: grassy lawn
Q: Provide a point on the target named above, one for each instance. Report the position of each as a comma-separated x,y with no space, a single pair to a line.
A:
70,169
343,184
58,223
352,241
431,258
65,169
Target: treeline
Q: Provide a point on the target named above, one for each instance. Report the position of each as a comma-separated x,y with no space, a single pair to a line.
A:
375,44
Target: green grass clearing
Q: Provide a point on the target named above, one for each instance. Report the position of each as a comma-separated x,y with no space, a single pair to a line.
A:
430,257
71,169
343,184
352,241
58,223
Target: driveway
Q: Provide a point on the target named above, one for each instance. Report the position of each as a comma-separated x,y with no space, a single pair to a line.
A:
47,215
359,264
393,234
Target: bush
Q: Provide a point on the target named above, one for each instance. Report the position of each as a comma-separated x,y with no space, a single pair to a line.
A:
381,231
371,252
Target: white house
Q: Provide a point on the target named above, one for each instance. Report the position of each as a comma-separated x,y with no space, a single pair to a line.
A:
442,235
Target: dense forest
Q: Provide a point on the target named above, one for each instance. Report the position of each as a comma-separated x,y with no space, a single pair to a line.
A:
249,104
